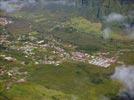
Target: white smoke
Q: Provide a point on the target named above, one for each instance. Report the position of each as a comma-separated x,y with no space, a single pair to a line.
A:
125,74
110,21
13,5
130,31
131,34
118,21
107,33
6,6
114,17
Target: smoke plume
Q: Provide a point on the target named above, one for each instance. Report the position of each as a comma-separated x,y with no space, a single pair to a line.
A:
107,33
14,5
125,74
115,17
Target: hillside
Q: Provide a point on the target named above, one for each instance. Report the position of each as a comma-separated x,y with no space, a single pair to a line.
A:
66,50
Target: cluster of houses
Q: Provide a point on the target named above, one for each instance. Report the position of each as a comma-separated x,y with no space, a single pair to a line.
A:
4,21
3,35
100,60
51,62
16,72
103,61
15,76
58,54
4,39
2,71
27,49
7,58
79,56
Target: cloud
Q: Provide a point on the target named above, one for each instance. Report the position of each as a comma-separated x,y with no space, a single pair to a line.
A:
125,74
114,17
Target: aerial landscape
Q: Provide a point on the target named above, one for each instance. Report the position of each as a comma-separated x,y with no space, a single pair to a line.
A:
66,49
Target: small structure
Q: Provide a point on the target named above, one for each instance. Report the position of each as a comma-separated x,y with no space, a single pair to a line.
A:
79,56
2,71
4,21
4,39
102,61
21,81
10,59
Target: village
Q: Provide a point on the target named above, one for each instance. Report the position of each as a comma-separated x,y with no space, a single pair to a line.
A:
44,53
66,49
51,52
55,55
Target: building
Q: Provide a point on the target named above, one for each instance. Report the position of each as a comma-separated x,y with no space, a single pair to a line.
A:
4,21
